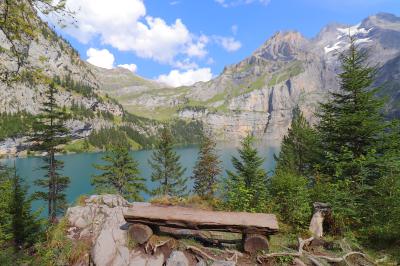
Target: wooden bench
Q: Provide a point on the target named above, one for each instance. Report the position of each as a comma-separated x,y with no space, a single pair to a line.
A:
254,227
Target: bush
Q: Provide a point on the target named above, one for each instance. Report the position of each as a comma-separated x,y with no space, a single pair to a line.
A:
291,198
191,201
59,249
343,202
383,212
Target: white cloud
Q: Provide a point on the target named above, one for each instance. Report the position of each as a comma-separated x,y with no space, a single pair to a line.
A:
124,25
233,3
131,67
210,61
234,29
186,64
101,58
198,49
177,78
228,43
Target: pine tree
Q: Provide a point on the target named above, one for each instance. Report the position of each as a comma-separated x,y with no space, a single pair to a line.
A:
246,190
207,169
167,170
351,122
299,148
19,227
120,175
5,213
49,133
26,226
358,144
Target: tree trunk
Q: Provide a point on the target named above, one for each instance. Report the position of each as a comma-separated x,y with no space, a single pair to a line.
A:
317,221
254,242
140,233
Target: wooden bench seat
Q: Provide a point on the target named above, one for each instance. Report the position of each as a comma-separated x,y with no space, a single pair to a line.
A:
189,218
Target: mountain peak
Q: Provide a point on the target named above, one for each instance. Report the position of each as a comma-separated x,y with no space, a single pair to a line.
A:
383,21
283,45
387,16
291,37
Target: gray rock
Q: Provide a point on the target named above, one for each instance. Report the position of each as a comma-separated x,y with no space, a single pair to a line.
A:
177,258
201,263
101,220
139,259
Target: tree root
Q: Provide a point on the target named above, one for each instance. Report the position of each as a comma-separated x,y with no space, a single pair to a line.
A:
343,258
153,248
299,252
235,255
313,258
200,252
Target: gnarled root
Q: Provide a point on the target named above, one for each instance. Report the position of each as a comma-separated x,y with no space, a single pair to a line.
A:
313,258
201,253
153,247
235,255
299,252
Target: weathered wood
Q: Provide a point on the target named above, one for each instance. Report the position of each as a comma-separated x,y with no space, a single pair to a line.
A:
205,237
321,210
141,233
255,242
189,218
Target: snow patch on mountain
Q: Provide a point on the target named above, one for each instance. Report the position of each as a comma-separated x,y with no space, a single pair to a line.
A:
334,47
354,30
364,40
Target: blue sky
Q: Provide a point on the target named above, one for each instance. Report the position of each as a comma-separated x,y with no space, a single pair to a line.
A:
183,41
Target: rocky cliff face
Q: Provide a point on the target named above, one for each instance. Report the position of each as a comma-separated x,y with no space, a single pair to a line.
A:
258,94
48,55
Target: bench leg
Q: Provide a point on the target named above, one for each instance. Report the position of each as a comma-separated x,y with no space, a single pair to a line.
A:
252,243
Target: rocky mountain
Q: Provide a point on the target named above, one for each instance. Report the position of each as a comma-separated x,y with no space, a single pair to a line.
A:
259,93
83,90
255,95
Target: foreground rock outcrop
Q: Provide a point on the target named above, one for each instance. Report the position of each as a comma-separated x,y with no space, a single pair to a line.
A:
99,220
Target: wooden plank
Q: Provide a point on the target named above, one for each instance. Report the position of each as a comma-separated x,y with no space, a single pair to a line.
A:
189,218
205,237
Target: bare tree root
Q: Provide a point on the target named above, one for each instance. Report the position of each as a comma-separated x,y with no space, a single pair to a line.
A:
314,261
153,248
343,258
235,255
200,252
313,258
299,252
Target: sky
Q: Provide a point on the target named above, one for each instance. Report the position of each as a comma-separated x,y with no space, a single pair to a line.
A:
180,42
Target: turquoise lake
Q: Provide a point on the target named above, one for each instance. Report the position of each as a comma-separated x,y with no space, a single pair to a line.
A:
79,167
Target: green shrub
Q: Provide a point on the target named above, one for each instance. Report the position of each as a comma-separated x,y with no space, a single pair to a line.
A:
59,249
343,202
291,198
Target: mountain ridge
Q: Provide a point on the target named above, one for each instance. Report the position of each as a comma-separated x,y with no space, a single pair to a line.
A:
258,94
